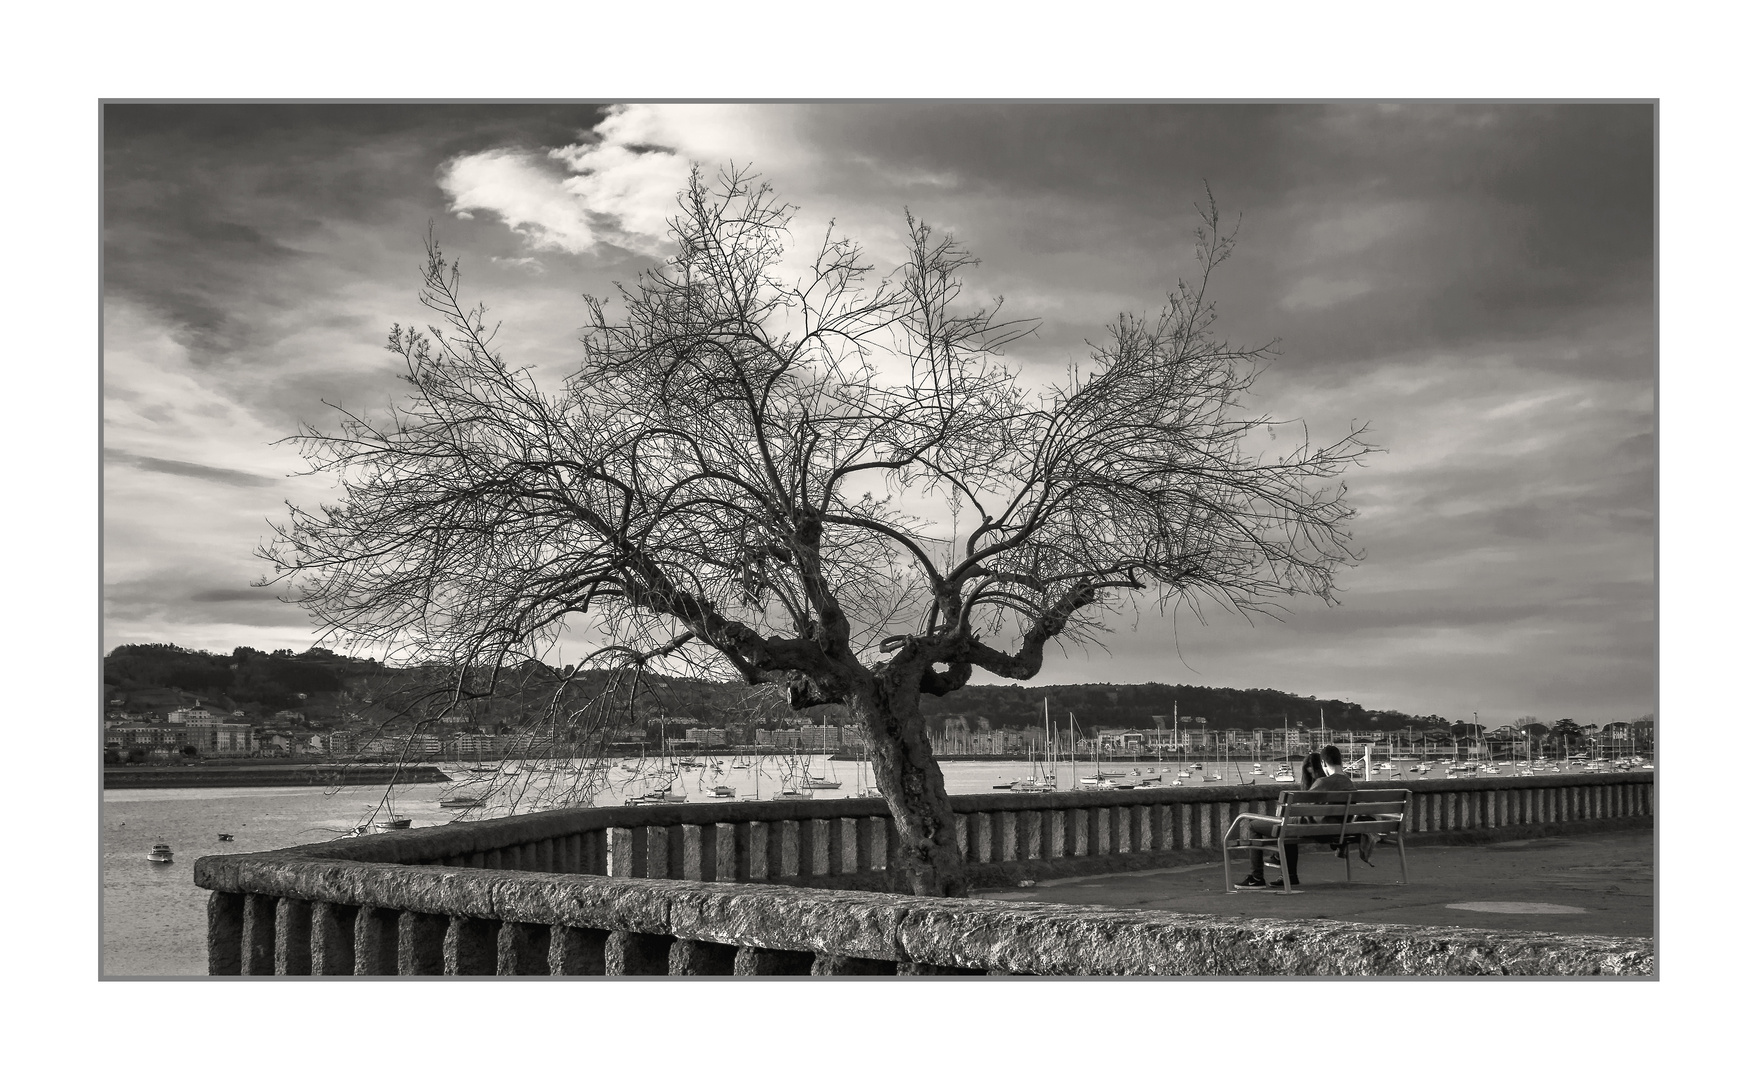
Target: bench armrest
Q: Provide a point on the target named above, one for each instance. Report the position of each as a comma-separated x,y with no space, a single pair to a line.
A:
1271,819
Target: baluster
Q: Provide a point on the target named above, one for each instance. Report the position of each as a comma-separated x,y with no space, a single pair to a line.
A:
332,938
788,834
1007,836
700,958
470,946
225,933
981,844
522,949
627,953
624,860
815,848
375,941
576,950
421,943
756,855
658,851
847,839
696,857
259,935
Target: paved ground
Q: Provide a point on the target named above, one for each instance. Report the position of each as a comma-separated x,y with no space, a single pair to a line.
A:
1598,883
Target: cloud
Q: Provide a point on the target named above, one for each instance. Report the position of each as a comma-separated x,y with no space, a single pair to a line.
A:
516,186
233,477
619,183
635,189
617,186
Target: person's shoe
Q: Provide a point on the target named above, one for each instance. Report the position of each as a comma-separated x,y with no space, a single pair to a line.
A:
1271,862
1293,883
1252,882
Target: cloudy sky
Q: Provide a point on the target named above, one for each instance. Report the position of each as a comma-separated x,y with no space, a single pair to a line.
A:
1474,281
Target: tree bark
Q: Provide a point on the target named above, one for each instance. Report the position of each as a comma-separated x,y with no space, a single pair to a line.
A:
911,781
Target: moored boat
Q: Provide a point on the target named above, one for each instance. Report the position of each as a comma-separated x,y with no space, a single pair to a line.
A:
161,853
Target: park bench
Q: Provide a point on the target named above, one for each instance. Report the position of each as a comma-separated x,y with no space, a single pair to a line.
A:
1333,818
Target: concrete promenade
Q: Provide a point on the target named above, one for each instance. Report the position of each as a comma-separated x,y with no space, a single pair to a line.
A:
1596,883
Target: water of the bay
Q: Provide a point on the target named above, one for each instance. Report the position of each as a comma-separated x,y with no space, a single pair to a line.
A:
154,917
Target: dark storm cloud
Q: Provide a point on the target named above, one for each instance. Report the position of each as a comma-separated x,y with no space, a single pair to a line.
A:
244,227
231,477
1423,226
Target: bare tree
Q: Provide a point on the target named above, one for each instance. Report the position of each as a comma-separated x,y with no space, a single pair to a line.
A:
830,484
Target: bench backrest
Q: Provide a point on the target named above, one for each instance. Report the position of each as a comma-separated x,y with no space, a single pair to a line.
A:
1350,813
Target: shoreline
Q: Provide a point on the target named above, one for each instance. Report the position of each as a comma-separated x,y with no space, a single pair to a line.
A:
229,776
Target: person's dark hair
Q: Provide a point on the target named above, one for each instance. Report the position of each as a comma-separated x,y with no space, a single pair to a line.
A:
1310,770
1332,757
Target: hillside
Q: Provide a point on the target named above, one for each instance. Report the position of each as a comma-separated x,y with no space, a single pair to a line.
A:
327,686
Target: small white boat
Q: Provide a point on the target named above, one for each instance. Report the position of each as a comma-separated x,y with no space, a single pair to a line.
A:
159,853
391,824
789,795
722,791
462,802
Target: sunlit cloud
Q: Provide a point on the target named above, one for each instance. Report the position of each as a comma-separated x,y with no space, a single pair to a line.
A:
514,185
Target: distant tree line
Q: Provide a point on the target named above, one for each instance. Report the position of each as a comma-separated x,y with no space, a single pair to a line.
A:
246,676
275,680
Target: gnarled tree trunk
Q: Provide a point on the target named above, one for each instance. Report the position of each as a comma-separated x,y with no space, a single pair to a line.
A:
910,778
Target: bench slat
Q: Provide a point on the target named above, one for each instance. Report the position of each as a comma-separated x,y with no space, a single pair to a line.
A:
1368,808
1353,828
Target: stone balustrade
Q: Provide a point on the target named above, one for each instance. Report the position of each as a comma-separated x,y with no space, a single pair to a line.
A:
763,888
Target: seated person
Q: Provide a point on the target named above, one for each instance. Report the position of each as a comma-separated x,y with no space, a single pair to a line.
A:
1330,763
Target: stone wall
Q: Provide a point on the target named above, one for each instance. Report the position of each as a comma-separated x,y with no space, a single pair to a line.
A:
270,916
850,843
744,887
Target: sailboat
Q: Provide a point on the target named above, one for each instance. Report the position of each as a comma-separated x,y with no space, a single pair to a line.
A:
1100,779
819,783
863,787
1041,781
